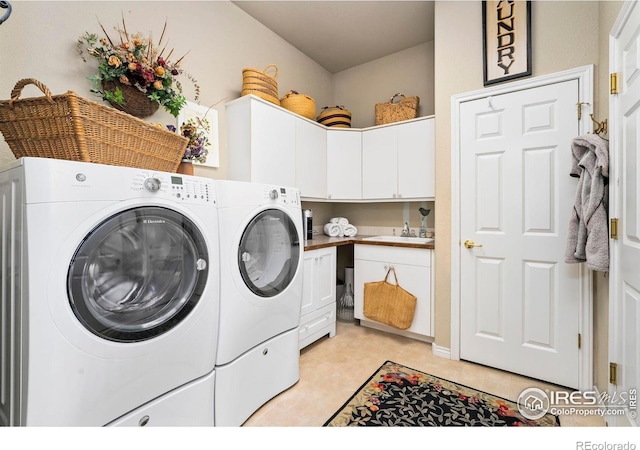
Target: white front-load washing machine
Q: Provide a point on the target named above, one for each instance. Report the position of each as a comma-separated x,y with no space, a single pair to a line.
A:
110,280
260,296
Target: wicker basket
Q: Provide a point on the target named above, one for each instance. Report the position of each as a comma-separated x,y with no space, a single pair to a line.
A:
70,127
390,112
135,103
260,84
299,104
335,116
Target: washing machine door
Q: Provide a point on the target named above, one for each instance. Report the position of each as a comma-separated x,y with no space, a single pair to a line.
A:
269,253
138,274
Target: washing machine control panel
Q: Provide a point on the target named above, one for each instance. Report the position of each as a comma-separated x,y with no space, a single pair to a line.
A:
175,187
282,195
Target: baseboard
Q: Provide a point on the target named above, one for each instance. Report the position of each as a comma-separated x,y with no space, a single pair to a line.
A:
442,352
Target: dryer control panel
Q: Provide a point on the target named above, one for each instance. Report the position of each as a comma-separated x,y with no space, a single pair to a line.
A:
177,187
284,195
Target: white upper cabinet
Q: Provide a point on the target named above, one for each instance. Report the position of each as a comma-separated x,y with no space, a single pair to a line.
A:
416,159
344,164
261,143
268,144
398,161
380,163
311,159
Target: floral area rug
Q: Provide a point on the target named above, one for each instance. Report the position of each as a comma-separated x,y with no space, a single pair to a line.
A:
396,395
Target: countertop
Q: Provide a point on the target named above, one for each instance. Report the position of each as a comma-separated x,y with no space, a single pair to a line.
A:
322,241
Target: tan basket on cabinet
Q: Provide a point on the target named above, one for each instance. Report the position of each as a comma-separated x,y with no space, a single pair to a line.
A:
406,108
334,116
299,103
70,127
259,83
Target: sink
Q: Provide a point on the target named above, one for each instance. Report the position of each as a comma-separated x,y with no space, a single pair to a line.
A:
400,239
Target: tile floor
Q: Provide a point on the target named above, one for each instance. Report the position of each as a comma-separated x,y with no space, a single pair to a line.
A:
332,369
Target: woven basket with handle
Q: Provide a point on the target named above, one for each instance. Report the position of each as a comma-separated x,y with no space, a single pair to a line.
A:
70,127
261,84
396,111
389,303
299,103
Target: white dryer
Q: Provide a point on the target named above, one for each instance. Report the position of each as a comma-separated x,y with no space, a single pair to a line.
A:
260,296
111,295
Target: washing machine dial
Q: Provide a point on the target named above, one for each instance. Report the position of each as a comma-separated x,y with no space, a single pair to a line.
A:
273,194
152,184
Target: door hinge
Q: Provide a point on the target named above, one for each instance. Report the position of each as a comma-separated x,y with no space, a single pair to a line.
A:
613,373
613,228
613,83
579,340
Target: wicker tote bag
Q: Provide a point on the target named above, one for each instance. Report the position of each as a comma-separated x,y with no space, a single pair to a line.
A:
389,303
406,108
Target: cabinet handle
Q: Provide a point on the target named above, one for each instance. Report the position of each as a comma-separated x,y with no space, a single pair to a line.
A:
399,195
328,195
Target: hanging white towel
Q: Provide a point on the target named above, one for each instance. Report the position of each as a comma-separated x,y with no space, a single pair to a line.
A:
588,237
350,230
332,229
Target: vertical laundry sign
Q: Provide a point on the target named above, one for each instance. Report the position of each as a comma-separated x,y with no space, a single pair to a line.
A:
506,28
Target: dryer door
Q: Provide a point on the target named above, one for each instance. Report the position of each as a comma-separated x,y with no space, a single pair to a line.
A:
138,274
269,253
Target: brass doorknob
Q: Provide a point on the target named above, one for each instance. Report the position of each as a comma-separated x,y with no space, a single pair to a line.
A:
470,244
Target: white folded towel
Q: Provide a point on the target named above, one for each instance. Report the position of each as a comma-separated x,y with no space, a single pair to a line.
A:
350,230
339,220
332,229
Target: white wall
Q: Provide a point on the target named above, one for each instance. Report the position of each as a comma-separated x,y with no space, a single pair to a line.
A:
409,72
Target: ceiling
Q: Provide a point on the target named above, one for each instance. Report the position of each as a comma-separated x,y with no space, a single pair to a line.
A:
340,34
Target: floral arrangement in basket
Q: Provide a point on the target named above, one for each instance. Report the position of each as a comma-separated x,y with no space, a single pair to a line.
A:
134,61
197,131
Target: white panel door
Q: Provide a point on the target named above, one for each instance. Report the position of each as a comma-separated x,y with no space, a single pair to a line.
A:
519,301
624,302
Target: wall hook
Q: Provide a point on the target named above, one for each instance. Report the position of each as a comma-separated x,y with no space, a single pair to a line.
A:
7,6
599,127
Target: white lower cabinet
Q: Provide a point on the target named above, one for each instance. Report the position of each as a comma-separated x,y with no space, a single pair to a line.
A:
318,313
413,267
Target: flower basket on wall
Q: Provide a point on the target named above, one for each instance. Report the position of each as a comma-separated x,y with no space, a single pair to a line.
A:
135,102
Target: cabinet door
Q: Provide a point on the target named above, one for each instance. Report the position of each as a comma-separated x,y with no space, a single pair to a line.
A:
319,279
273,157
416,171
379,163
413,278
344,165
311,159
